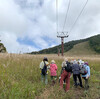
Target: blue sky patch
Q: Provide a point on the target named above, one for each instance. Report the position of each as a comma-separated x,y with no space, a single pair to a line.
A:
26,41
49,40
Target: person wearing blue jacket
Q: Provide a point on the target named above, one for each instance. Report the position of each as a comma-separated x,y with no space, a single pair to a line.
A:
86,77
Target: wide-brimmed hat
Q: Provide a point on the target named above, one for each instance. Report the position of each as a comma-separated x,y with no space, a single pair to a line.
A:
65,59
52,61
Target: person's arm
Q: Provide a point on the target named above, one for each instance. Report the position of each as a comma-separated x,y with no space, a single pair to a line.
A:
89,71
62,65
72,68
47,64
41,65
50,67
79,67
55,67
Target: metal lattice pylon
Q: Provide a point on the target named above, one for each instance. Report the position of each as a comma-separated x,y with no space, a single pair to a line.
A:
62,35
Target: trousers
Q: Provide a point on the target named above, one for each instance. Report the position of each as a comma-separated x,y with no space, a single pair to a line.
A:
44,78
75,76
66,75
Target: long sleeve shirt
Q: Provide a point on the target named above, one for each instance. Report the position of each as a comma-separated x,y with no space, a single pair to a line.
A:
42,65
88,71
53,69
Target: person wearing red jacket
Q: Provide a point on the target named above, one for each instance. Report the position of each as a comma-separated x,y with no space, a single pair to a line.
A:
53,71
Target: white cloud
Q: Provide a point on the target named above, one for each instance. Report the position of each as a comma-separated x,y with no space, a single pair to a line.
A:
36,19
10,41
11,18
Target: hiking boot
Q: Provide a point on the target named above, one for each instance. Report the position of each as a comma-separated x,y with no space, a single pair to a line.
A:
87,88
53,83
66,90
82,86
75,85
78,84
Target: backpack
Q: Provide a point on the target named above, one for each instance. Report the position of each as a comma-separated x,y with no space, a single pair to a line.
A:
83,70
68,68
44,70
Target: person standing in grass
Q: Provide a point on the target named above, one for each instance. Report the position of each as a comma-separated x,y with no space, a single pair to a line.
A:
44,67
76,73
53,71
66,74
86,77
62,69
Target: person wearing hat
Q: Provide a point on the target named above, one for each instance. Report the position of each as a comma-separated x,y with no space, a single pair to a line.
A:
76,74
66,73
53,71
86,77
46,64
63,68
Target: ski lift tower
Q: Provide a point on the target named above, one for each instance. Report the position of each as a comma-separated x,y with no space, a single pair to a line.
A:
62,35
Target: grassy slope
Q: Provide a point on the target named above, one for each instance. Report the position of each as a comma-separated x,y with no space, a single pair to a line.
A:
94,43
81,49
20,78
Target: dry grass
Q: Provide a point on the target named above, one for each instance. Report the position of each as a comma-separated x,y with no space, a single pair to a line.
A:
20,78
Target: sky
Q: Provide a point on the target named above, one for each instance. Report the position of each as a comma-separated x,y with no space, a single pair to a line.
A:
31,25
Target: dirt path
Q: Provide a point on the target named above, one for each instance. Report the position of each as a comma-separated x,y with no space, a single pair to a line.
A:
50,92
46,93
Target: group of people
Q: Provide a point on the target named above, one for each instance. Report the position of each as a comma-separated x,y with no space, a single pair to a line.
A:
78,68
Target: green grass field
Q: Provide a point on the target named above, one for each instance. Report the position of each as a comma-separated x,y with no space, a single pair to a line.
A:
20,78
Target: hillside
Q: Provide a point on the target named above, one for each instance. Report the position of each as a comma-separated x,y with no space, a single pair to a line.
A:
2,48
93,44
81,49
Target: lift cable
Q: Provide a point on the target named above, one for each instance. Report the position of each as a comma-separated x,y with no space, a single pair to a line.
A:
57,15
78,16
66,15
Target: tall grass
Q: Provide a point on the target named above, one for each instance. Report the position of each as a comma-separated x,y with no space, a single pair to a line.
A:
20,79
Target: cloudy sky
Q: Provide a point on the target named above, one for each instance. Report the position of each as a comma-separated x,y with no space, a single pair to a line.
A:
30,25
